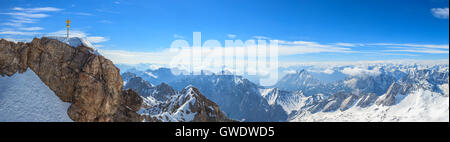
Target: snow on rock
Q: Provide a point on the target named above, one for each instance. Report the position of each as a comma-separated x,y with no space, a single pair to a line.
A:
270,95
184,111
75,42
24,97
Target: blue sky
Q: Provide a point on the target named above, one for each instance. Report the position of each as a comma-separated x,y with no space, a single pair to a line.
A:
344,30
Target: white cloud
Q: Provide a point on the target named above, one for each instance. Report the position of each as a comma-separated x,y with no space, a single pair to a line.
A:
178,36
165,56
38,9
413,45
18,33
129,57
73,33
290,71
415,48
105,21
346,44
349,44
351,83
357,71
285,48
260,37
328,71
306,47
420,50
27,15
231,36
19,19
441,13
98,46
17,40
21,16
31,28
12,24
96,39
329,64
82,13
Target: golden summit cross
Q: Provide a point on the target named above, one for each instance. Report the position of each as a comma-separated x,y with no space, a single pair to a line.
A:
68,26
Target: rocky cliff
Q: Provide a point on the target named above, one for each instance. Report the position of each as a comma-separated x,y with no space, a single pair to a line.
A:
89,81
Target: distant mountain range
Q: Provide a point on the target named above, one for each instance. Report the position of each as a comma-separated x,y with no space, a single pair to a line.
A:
163,104
44,84
236,96
299,95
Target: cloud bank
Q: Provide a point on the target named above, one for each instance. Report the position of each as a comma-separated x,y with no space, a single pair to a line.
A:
441,13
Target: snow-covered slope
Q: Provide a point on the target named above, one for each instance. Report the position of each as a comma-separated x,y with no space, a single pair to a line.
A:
395,93
73,41
420,105
24,97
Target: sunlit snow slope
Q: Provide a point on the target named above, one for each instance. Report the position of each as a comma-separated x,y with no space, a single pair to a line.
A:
24,97
417,106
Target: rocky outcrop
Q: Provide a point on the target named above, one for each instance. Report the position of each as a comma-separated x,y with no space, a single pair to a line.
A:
89,81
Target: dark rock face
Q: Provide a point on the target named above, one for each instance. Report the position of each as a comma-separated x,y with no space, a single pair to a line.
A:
90,82
164,92
140,86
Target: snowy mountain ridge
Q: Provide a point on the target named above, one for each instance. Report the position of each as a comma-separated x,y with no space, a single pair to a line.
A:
164,104
364,86
390,89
